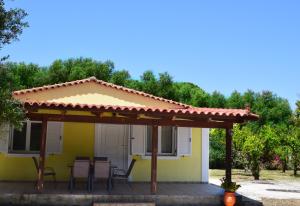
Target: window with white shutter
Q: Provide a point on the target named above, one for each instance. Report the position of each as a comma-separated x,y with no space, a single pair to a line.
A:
54,138
184,141
167,136
137,138
27,139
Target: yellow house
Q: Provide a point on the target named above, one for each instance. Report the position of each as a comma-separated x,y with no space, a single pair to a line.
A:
93,118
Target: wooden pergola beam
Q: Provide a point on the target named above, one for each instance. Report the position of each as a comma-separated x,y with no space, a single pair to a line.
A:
40,181
128,120
228,160
154,159
237,119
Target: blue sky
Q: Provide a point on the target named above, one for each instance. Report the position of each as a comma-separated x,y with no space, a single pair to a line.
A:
218,45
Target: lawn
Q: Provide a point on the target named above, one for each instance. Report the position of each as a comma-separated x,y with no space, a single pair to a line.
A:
242,175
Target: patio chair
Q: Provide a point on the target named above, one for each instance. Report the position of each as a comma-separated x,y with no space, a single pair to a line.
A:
120,174
101,158
82,158
48,171
80,170
102,171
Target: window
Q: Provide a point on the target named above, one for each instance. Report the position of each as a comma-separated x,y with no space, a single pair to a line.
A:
27,140
167,137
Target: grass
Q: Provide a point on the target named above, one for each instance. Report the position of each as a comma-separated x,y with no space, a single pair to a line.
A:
242,175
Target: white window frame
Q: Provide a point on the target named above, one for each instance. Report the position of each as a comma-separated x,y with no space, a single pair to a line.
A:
27,144
174,141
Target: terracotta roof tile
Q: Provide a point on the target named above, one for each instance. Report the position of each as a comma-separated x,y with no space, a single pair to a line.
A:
183,109
216,112
94,79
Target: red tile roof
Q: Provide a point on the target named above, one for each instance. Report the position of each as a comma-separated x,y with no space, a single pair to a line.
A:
208,112
183,109
94,79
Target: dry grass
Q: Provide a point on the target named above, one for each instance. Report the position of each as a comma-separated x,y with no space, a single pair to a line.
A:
242,175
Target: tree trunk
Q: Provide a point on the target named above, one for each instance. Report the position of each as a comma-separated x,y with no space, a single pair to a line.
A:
295,169
255,170
284,166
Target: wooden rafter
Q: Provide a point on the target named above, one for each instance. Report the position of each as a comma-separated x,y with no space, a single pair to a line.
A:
235,119
128,120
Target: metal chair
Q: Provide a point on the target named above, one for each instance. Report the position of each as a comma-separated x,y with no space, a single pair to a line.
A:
100,158
121,174
80,169
102,170
48,171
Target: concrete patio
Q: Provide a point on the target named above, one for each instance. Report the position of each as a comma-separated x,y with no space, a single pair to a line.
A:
23,193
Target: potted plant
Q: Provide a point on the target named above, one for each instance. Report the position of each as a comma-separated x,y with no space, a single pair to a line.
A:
229,194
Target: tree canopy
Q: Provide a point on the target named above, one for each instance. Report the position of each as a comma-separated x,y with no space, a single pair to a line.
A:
11,26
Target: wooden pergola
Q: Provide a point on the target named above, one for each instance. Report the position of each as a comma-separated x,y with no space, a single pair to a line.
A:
188,117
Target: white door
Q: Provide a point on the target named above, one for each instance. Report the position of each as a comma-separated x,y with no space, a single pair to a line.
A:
111,141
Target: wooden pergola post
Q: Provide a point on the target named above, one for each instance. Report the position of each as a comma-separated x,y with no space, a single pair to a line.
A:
154,159
228,162
40,181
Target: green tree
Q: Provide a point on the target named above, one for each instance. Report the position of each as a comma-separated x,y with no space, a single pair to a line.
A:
217,149
134,84
149,83
184,91
271,109
249,98
11,110
166,86
24,74
282,149
79,68
294,139
239,137
235,101
253,151
217,100
120,77
11,26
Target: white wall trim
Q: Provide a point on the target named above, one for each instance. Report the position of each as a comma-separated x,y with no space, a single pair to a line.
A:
205,155
148,157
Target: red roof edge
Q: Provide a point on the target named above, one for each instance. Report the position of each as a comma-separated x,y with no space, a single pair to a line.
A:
216,112
101,82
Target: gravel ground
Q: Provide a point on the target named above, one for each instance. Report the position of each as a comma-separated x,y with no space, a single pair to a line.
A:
279,189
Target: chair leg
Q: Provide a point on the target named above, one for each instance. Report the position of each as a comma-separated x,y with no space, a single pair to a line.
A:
71,184
54,180
109,185
91,184
112,182
88,184
129,184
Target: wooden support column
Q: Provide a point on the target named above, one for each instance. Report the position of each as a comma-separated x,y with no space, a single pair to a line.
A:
228,162
154,159
40,181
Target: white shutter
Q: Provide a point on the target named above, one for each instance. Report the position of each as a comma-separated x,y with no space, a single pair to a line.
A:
54,137
4,137
184,137
137,139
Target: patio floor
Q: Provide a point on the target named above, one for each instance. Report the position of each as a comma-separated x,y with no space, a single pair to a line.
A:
23,193
175,194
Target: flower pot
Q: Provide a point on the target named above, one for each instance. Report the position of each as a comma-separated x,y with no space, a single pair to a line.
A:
229,198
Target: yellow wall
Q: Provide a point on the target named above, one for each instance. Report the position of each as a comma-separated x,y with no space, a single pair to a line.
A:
79,141
184,169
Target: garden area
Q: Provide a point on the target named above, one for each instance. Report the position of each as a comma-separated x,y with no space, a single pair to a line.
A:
239,175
